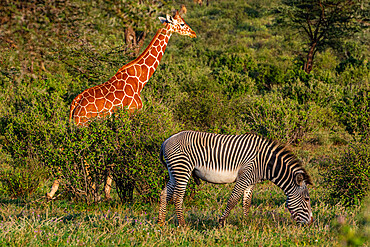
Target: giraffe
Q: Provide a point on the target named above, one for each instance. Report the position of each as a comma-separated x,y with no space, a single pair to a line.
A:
183,10
124,88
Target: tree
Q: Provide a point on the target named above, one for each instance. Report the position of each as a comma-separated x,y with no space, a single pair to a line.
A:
325,23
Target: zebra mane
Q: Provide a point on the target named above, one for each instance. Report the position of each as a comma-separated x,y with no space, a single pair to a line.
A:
292,159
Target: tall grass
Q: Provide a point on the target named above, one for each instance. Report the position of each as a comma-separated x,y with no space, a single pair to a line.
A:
268,223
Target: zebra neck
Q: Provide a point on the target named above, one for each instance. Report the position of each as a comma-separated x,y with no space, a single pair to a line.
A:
280,168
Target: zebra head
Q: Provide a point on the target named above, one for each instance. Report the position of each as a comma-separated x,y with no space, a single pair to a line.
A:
298,201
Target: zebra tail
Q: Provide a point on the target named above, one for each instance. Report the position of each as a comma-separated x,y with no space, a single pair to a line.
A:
161,155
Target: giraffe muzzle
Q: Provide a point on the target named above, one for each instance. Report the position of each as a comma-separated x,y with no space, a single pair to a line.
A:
192,34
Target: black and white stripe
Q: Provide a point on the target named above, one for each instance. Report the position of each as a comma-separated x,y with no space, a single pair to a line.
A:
244,159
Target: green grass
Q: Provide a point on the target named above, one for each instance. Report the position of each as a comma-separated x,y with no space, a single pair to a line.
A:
63,222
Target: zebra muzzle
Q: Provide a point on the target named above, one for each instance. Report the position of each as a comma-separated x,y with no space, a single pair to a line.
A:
311,221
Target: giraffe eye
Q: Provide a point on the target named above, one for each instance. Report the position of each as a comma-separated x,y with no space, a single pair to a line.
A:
182,24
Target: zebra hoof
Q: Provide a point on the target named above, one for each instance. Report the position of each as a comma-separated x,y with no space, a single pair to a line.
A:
221,222
182,224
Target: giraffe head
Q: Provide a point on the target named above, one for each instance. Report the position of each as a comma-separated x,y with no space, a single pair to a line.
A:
177,24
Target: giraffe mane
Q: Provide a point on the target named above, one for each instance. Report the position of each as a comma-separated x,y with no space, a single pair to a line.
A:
133,62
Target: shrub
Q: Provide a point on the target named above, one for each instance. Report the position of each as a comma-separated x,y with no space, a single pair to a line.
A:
281,119
353,111
347,177
124,145
267,75
233,83
25,133
139,139
78,157
21,181
201,112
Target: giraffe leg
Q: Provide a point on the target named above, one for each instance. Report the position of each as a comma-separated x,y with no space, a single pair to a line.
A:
166,196
54,189
237,192
108,186
91,183
87,166
247,198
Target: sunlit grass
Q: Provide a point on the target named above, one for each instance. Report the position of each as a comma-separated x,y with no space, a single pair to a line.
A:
268,222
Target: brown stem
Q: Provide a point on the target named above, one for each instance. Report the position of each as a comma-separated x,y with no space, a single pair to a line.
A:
309,62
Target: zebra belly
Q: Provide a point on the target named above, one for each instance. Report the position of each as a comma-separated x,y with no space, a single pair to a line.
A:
215,176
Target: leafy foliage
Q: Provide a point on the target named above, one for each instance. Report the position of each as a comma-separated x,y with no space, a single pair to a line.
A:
325,23
241,74
354,112
348,176
125,147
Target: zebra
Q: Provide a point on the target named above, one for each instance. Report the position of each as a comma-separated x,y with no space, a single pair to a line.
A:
245,159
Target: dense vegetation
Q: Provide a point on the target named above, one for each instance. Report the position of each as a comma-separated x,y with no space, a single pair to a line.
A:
243,73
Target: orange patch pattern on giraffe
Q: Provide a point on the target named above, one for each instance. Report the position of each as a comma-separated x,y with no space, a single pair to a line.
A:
123,89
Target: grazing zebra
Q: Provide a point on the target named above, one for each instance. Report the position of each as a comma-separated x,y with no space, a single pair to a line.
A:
244,159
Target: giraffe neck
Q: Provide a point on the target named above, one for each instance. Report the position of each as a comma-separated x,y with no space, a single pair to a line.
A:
148,61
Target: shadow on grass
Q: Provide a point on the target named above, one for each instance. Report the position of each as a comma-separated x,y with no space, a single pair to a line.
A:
16,201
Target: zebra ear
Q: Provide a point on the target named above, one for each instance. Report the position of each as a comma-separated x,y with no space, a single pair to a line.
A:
299,179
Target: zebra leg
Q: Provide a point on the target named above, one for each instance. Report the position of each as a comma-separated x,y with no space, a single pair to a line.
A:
166,196
233,199
54,189
247,198
178,197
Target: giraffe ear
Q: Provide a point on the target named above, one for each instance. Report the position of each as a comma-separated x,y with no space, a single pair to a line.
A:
169,18
162,19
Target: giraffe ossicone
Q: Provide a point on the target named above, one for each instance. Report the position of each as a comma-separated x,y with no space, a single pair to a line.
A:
123,89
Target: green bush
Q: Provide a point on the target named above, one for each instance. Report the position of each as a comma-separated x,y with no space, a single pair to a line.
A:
136,165
201,112
353,111
267,75
21,181
281,119
124,145
26,129
347,177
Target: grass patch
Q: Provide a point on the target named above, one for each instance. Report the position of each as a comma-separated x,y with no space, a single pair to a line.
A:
268,223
